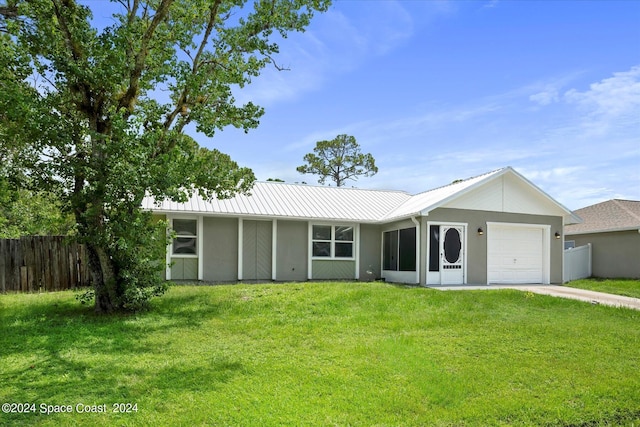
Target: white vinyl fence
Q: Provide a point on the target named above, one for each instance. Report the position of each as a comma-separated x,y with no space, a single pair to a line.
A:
577,263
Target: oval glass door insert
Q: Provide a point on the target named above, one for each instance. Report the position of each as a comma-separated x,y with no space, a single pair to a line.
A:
452,245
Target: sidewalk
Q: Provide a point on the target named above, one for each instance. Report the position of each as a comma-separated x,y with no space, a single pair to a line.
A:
558,291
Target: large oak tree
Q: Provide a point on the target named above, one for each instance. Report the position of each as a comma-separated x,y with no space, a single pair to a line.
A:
97,114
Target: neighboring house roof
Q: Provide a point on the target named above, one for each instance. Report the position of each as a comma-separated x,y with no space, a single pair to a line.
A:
501,190
612,215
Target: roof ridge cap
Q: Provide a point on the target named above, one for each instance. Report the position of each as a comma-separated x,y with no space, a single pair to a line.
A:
456,182
627,210
293,184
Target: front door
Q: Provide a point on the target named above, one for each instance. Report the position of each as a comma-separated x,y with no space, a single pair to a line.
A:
451,255
446,254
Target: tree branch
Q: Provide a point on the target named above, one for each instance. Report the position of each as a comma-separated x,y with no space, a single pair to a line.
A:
184,97
71,44
9,11
128,99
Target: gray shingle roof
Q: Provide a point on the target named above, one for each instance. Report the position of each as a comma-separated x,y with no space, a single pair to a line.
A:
612,215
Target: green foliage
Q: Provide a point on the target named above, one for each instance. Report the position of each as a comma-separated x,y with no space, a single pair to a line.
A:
28,213
324,354
339,159
97,116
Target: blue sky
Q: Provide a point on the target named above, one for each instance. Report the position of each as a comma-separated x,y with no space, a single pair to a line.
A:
444,90
438,91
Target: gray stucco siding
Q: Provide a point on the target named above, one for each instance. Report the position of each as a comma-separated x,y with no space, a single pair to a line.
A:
615,254
477,245
370,246
220,249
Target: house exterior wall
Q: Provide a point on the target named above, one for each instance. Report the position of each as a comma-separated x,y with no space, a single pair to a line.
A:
292,250
477,245
220,246
220,249
614,254
370,249
333,270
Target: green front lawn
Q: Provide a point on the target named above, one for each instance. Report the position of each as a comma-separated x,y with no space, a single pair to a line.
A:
323,354
626,287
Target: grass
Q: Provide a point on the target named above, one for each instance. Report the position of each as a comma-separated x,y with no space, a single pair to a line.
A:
626,287
324,354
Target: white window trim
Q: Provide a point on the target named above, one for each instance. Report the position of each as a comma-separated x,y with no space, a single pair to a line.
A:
199,244
354,249
196,237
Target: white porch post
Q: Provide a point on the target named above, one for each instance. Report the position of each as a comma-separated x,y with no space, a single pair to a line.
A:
240,239
274,249
200,241
169,248
357,249
418,240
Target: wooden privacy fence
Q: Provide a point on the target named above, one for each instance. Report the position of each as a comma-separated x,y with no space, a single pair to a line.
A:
42,263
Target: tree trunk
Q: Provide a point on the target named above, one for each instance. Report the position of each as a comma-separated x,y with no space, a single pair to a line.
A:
104,280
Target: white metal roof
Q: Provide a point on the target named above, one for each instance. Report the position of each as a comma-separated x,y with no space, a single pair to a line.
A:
422,203
297,201
277,199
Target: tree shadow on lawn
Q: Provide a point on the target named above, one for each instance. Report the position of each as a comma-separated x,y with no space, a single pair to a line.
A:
62,352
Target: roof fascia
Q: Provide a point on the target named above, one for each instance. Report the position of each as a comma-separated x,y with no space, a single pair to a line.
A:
400,218
263,217
610,230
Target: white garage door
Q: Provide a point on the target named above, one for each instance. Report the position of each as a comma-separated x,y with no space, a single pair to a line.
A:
516,253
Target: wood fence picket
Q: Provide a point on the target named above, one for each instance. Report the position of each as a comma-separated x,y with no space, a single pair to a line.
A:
42,263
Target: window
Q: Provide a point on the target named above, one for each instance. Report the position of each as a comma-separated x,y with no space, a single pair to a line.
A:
399,250
434,248
390,250
185,241
332,241
569,244
407,250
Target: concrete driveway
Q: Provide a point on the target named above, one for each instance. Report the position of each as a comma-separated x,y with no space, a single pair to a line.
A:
558,291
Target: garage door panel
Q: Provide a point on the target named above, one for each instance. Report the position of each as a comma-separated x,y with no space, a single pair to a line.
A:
515,254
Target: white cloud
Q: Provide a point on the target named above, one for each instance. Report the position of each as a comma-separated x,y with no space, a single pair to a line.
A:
490,4
581,150
611,105
333,44
552,174
614,96
545,97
